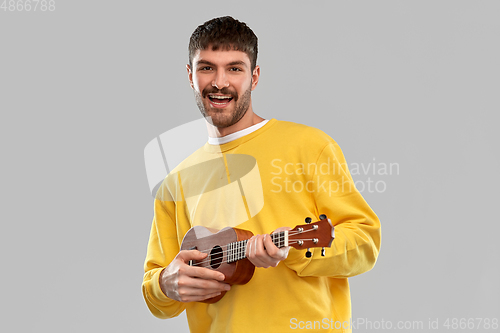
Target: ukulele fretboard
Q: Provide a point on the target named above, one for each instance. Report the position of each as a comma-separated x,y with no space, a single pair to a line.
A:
237,250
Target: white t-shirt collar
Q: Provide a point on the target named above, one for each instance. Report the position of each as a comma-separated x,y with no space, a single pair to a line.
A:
236,135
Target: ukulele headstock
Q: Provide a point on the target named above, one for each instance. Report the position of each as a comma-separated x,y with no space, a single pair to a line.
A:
317,234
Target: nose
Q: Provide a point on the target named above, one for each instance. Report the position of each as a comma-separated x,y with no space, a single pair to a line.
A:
220,81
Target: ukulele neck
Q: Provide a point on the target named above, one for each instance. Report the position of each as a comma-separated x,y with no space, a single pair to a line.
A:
237,250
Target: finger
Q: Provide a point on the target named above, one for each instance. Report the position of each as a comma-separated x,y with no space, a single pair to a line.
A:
270,251
274,251
259,263
251,252
251,249
186,255
274,254
284,251
261,256
187,294
197,298
203,286
190,291
195,291
259,246
202,273
270,248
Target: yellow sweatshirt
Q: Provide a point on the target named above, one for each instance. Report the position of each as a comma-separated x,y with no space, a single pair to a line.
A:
273,177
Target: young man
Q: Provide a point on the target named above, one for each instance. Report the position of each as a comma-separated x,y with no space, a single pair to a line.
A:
260,176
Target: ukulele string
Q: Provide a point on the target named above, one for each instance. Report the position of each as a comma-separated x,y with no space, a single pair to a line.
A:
207,260
279,238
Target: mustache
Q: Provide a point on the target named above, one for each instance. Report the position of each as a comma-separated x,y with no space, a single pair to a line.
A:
223,91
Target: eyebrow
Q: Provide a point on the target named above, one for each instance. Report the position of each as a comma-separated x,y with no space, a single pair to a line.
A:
232,63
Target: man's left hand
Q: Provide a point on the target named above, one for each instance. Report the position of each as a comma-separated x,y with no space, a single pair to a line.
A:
262,252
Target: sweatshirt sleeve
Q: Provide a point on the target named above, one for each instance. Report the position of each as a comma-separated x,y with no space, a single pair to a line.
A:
357,228
163,246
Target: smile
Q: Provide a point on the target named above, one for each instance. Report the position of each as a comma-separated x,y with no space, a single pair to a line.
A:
220,100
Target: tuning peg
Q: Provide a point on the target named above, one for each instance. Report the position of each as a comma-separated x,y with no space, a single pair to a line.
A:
308,253
308,220
323,253
322,217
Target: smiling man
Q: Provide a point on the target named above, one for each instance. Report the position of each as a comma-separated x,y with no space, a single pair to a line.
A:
290,288
222,83
223,76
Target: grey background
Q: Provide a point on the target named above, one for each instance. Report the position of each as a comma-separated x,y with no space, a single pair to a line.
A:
83,89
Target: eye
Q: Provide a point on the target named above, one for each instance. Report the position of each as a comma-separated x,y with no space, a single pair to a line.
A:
206,68
235,69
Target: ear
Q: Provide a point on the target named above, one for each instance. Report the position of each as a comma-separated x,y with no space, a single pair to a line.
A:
190,76
255,77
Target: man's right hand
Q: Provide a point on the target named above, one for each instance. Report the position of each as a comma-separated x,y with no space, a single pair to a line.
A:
186,283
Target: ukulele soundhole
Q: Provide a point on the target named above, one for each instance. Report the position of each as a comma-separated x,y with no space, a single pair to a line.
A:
216,257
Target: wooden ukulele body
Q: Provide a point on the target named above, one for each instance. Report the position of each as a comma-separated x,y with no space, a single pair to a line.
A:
215,243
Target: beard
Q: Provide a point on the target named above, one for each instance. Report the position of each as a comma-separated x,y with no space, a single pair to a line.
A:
222,118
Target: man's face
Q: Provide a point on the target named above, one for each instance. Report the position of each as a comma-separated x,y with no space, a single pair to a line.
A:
222,82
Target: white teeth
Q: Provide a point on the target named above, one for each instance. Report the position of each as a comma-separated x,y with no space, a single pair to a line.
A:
219,97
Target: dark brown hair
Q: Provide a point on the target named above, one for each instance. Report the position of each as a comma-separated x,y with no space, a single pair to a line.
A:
224,33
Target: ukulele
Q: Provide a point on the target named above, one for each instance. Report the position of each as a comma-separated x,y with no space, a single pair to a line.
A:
226,248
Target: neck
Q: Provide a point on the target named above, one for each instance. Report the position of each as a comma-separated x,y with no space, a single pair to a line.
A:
237,250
